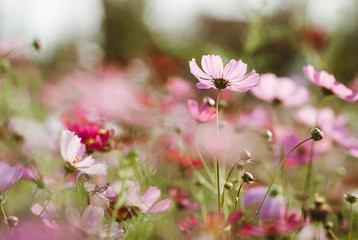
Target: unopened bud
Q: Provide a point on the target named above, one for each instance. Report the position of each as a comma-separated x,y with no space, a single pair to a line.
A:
36,45
276,190
351,197
209,101
328,226
317,134
228,185
12,221
245,155
267,135
247,177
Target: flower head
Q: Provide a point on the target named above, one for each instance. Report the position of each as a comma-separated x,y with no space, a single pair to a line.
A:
329,84
281,90
203,113
216,76
72,151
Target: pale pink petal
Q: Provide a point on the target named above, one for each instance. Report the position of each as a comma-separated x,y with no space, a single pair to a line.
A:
52,224
201,85
193,108
9,175
74,217
213,66
114,233
234,69
197,72
84,163
161,206
245,83
309,71
91,219
133,194
149,197
96,169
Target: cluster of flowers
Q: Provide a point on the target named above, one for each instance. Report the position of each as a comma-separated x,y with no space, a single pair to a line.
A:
168,139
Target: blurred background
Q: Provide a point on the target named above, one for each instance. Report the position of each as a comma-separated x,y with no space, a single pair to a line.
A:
270,35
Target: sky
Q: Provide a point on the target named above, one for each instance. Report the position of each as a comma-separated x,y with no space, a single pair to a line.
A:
55,21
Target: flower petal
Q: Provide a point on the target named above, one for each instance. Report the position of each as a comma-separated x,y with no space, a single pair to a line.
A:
213,66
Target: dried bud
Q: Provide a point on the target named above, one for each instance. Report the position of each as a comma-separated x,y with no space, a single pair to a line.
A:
319,200
317,134
12,221
247,177
351,197
36,45
209,101
245,155
267,135
228,185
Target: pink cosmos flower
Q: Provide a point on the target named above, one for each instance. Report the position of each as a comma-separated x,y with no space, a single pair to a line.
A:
333,126
329,84
203,113
8,177
274,207
182,199
134,202
90,221
258,117
182,159
216,76
281,90
290,223
72,151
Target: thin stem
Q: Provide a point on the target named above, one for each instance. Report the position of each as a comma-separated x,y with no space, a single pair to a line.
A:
351,222
238,195
217,157
3,212
310,161
212,178
332,234
273,180
227,179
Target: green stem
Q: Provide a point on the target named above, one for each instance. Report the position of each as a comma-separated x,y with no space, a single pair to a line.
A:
351,222
217,157
3,212
332,234
227,179
310,161
238,195
273,180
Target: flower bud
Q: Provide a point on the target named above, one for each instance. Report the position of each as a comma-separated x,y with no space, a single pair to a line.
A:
317,134
276,190
36,45
245,155
351,197
228,185
247,177
267,135
328,226
12,221
209,101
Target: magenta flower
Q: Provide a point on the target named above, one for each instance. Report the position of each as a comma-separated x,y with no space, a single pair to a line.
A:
183,199
329,84
72,151
271,228
216,76
8,177
94,137
214,221
203,113
280,90
90,221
